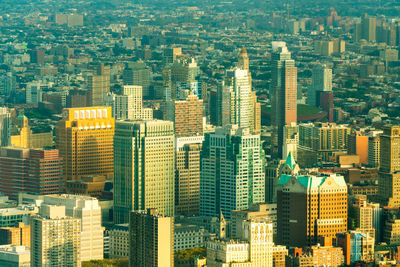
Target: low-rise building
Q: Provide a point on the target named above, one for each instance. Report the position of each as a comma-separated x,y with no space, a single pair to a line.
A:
119,241
188,236
18,256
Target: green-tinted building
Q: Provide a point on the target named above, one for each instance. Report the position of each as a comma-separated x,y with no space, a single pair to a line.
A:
232,171
144,167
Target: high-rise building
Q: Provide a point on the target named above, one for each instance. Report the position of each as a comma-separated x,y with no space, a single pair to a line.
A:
88,211
284,94
389,171
232,171
357,246
310,207
8,84
5,127
187,116
256,114
374,149
85,139
321,82
254,249
243,62
55,238
171,54
98,84
235,102
362,215
30,170
358,145
187,176
144,167
20,235
138,74
128,106
318,141
151,239
368,28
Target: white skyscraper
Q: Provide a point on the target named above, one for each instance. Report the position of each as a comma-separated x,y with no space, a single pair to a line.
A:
55,238
321,81
86,209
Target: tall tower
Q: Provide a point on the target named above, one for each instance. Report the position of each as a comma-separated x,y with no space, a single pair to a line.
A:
232,171
321,82
88,211
243,62
85,139
55,238
389,171
310,207
144,167
187,116
5,127
235,99
284,94
98,84
151,239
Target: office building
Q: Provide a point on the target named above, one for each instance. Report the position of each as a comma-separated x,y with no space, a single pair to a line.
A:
9,217
8,84
151,238
310,207
255,248
89,185
128,106
138,74
5,127
279,254
321,82
357,246
319,141
11,255
368,28
187,116
389,171
232,171
98,84
266,212
362,215
119,241
85,139
235,102
171,54
358,145
88,211
187,176
20,235
30,170
243,60
284,94
55,238
27,138
144,168
374,149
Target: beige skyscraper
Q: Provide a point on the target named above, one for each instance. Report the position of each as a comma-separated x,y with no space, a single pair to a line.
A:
389,172
86,209
151,239
55,238
144,167
98,84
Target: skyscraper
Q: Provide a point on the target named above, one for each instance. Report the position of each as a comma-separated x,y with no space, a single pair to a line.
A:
128,106
235,103
30,170
5,127
55,238
187,179
310,207
88,211
98,84
243,62
389,171
232,171
144,167
321,82
187,116
138,74
151,239
85,139
284,93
